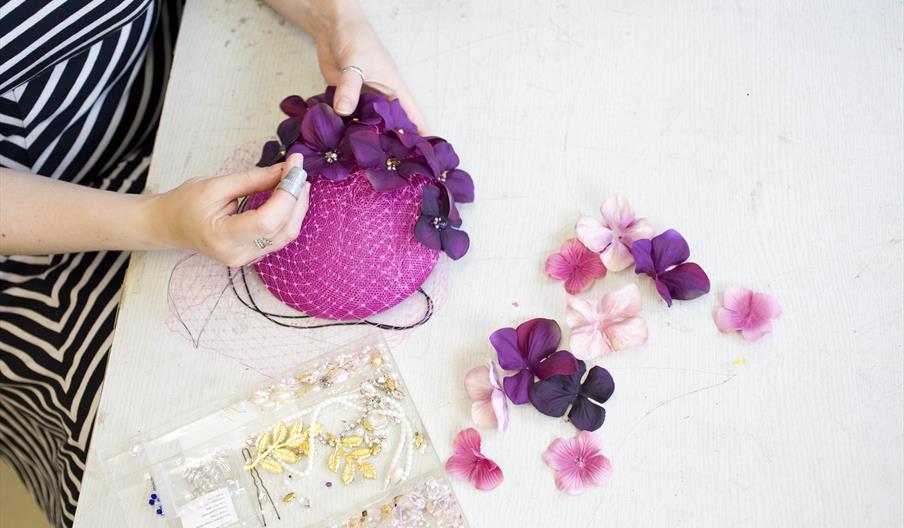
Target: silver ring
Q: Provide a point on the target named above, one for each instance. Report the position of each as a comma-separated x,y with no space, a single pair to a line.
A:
262,243
294,181
355,69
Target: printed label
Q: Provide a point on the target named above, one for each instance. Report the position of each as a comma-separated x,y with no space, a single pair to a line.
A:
214,510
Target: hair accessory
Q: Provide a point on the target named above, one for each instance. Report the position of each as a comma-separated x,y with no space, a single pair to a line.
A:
154,499
372,178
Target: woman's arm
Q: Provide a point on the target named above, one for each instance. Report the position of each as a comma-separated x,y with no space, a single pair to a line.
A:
344,37
39,215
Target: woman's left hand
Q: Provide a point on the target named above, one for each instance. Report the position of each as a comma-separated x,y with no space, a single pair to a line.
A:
344,38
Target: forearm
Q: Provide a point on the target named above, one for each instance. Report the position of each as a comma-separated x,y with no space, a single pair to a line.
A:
40,215
318,18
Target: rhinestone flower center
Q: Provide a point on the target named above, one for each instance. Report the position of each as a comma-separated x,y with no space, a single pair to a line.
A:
440,223
330,156
392,164
443,175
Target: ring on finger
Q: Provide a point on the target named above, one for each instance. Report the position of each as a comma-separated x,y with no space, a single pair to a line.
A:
262,243
294,181
352,68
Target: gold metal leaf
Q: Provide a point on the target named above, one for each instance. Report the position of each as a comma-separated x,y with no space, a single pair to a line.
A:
263,441
295,431
315,430
367,426
271,465
352,441
390,384
375,449
348,472
289,497
418,440
367,470
279,433
333,461
286,455
361,452
304,448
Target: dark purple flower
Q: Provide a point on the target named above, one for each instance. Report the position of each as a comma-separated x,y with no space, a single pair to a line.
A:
663,258
364,113
435,229
293,106
271,154
531,351
438,160
396,121
325,152
381,155
555,394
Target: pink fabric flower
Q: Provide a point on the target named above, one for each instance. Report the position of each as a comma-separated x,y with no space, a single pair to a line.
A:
578,463
576,265
468,463
614,235
612,323
490,406
747,311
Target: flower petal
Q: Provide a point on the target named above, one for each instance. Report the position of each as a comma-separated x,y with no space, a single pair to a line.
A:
383,180
598,385
558,363
597,469
477,384
366,148
426,234
499,402
617,212
293,106
486,475
446,157
517,386
587,444
289,130
669,249
593,234
460,466
621,303
430,201
576,265
322,128
336,171
455,242
410,167
538,338
569,481
560,454
752,333
271,153
685,282
586,415
617,256
664,292
642,252
588,343
460,185
725,320
483,415
763,306
467,442
581,312
552,396
737,300
639,230
505,341
627,333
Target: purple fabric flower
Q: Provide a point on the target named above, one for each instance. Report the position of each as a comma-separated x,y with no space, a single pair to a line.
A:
531,351
438,160
663,259
364,113
396,121
555,394
435,229
293,106
271,154
325,152
382,156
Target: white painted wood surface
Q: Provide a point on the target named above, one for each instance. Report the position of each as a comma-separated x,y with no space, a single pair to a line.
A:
768,132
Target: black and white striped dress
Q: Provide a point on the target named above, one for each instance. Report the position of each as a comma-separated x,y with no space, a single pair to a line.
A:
81,88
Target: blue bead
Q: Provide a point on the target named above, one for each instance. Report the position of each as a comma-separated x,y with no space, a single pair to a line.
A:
151,502
153,495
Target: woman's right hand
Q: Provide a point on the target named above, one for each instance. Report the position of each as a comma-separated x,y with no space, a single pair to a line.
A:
202,214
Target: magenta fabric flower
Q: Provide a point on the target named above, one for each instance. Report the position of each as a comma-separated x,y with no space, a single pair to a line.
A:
576,265
489,407
578,462
468,463
663,259
613,237
531,351
747,311
602,326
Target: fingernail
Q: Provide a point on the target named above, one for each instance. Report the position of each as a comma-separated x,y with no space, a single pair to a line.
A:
344,106
296,160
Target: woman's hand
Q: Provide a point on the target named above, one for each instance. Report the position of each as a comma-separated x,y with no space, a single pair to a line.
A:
344,37
202,214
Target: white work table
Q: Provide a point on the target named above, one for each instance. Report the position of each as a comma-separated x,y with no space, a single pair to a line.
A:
769,133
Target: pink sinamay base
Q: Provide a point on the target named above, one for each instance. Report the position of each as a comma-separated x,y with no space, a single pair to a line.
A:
356,255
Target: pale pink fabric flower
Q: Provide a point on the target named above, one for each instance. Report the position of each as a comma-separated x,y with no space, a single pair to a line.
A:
747,311
576,265
614,235
578,463
490,405
468,463
606,325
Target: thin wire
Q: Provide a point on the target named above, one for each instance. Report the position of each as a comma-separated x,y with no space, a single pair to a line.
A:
428,312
